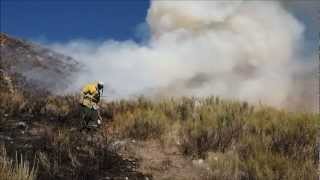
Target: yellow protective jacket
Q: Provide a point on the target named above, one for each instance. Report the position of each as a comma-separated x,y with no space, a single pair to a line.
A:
90,95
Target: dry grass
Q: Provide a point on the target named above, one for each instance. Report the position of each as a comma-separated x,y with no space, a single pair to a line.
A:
16,170
238,141
250,143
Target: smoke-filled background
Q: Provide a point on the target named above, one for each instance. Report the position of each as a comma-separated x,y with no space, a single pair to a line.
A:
244,50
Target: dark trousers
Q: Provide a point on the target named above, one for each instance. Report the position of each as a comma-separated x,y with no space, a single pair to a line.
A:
89,116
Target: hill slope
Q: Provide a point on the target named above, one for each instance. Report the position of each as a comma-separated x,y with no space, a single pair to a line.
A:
183,138
172,139
37,66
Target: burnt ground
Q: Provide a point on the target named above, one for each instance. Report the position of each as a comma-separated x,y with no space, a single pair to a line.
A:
62,151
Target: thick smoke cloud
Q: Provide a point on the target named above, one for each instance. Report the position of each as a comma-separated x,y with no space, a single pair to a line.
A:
239,50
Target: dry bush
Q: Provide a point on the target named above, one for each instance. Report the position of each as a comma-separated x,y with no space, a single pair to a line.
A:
226,166
16,170
254,143
11,103
215,125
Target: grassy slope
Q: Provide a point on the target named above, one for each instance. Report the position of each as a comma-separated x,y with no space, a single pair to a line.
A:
238,141
235,140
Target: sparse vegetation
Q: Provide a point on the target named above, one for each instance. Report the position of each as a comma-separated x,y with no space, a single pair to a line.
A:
236,140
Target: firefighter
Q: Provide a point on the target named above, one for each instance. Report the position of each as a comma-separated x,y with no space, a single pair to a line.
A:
89,99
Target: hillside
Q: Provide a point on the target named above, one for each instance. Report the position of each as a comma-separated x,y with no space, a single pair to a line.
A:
173,139
181,138
37,67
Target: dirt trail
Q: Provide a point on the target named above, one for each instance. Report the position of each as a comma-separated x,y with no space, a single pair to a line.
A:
161,162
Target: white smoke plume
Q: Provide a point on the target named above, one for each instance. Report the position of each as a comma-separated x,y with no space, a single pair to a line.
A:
244,50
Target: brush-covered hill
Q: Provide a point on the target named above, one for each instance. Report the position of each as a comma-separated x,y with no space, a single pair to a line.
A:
181,138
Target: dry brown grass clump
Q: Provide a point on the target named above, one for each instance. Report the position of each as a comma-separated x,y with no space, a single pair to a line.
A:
19,169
